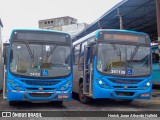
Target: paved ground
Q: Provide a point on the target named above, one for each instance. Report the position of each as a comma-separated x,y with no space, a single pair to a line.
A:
96,105
75,105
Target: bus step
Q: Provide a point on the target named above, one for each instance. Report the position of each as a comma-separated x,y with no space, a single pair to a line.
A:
86,93
86,69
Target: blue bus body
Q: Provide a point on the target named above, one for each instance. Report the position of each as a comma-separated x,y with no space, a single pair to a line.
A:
36,80
155,65
114,88
103,85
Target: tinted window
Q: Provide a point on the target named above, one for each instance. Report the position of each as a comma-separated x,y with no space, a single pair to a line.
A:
76,54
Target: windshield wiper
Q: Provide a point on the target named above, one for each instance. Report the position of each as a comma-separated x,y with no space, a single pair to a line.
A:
29,50
118,51
134,53
53,49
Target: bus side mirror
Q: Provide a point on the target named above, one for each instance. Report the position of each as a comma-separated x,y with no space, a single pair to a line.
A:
5,55
94,49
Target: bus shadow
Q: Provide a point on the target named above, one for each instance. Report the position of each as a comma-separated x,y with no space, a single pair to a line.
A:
135,104
115,103
38,106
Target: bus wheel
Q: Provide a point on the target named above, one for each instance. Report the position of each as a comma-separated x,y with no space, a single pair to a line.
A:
83,99
12,103
59,103
1,91
125,101
128,101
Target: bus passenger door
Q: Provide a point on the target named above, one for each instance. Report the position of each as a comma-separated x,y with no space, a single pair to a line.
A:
5,59
88,71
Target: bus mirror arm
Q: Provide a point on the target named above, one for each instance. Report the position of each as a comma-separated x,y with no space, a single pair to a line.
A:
11,54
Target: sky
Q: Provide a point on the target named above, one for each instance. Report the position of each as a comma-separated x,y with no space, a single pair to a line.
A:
27,13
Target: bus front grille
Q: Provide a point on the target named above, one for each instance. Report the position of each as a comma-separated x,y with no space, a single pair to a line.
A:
38,88
124,93
40,82
40,94
125,81
128,87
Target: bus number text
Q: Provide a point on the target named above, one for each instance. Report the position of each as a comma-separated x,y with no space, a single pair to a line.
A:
34,74
118,72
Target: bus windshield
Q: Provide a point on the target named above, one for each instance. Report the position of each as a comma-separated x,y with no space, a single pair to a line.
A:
40,60
126,60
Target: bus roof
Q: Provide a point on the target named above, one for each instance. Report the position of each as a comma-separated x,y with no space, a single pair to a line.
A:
40,30
95,34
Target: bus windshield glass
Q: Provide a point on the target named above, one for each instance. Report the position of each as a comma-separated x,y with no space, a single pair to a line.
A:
123,59
40,60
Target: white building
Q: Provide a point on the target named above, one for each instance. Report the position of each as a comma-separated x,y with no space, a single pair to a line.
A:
66,24
73,29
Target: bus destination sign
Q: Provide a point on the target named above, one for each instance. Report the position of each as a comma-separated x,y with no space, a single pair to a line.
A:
123,37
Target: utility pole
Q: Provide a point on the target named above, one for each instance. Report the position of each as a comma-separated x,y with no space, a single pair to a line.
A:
120,19
121,22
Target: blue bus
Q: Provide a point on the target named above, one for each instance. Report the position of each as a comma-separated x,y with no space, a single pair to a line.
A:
155,65
38,66
112,64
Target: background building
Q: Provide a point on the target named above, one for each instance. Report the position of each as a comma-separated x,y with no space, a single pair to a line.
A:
66,24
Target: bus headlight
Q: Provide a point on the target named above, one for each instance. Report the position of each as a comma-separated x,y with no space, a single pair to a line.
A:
101,83
146,85
14,85
65,86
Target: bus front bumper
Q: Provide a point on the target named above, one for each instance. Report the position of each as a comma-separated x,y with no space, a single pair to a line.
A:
13,95
122,93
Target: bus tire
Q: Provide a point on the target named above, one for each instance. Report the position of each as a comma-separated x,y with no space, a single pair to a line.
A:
12,103
125,101
1,91
83,99
59,103
128,101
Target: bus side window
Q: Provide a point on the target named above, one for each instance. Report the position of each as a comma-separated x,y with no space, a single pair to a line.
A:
155,56
76,54
81,60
